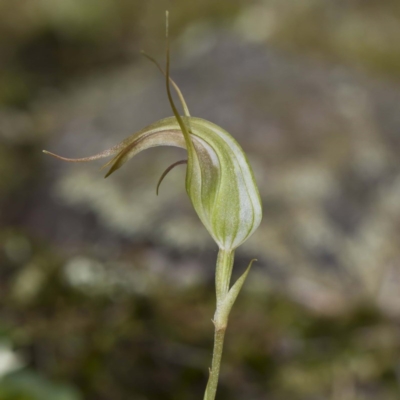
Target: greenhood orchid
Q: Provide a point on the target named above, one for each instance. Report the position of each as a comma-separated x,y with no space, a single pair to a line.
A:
219,183
219,179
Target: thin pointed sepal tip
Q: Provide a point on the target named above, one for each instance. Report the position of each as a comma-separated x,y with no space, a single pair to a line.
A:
50,153
166,23
55,155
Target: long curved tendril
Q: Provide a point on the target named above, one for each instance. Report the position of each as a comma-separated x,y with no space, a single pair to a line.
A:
165,173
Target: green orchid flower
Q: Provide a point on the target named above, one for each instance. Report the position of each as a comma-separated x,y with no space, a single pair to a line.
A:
220,184
219,180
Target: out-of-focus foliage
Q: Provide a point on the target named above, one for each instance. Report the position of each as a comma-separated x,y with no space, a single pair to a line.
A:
114,340
44,43
361,33
106,289
30,386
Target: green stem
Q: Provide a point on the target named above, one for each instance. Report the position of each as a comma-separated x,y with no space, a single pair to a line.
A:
212,384
222,280
223,274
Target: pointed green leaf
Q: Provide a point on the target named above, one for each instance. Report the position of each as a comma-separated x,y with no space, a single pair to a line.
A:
225,308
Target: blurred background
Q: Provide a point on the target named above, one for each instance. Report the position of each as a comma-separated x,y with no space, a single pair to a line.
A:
106,290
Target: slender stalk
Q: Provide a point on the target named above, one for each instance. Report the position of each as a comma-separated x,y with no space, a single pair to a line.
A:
212,384
222,279
223,274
